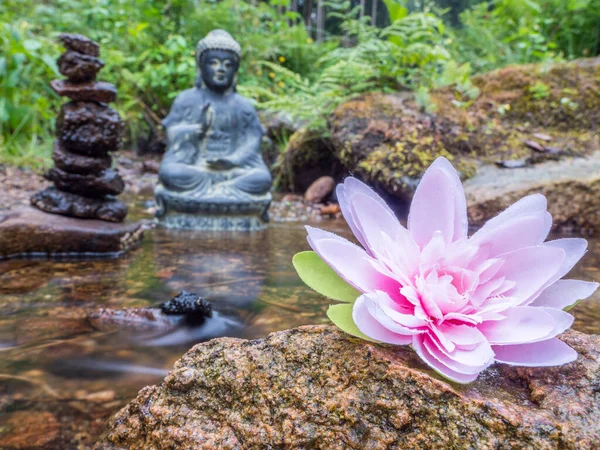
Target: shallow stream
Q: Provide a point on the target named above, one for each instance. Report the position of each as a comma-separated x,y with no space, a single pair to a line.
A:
61,377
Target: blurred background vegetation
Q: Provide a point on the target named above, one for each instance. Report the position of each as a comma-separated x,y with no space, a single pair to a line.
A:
301,57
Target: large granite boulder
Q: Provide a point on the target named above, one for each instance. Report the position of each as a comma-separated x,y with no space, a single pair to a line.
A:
316,387
572,187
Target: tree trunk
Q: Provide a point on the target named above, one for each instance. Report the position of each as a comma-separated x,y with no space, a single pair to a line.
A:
362,8
374,13
308,7
320,20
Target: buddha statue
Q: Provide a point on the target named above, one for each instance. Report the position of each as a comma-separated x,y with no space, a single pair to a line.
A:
212,176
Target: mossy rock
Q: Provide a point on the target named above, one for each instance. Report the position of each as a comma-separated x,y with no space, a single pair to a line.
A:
308,156
388,141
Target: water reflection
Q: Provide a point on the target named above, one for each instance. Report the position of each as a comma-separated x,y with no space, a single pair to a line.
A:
53,358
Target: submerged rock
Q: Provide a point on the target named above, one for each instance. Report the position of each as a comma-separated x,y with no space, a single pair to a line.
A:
572,187
317,387
134,320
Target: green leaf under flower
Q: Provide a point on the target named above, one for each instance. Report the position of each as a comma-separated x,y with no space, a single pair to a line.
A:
341,316
319,276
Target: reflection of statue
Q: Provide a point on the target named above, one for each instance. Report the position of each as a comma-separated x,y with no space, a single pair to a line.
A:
213,176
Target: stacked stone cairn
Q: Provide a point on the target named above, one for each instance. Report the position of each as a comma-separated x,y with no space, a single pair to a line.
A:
85,185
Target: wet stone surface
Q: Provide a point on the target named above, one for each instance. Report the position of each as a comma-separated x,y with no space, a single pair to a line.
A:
107,182
79,43
93,91
89,128
79,67
53,201
76,163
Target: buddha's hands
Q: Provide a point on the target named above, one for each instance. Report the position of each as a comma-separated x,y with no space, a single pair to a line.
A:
219,164
206,119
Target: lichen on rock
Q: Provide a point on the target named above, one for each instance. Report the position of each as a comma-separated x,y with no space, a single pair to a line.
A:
387,139
316,387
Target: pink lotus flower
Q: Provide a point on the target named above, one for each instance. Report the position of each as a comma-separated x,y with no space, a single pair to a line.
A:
461,302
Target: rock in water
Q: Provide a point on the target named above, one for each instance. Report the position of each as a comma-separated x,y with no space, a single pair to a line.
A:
33,233
192,306
316,387
78,67
79,43
319,190
53,201
93,91
89,128
107,182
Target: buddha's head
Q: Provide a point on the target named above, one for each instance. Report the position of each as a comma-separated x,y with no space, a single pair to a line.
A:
218,60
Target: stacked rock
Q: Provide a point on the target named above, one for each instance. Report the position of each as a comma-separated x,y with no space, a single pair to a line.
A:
88,129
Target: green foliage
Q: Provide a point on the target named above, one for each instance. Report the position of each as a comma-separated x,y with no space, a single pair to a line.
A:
505,32
408,54
26,117
148,48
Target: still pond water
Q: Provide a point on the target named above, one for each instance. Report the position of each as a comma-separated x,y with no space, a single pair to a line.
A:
59,372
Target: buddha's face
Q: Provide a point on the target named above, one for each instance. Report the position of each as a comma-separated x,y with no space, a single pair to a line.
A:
218,69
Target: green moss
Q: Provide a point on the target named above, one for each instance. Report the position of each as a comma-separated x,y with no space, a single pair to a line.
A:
387,140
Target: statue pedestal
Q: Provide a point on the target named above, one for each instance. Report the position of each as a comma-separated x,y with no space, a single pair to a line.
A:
176,210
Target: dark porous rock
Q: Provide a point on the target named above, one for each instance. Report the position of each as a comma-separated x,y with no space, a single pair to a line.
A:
319,190
191,305
107,182
89,128
78,67
29,232
76,163
317,387
53,201
92,91
80,43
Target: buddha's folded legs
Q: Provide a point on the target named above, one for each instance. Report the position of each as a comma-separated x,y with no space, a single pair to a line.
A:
251,181
182,177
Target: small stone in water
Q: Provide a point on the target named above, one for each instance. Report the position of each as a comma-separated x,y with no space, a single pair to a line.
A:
188,303
513,163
